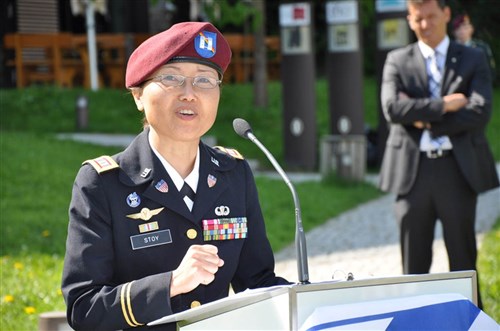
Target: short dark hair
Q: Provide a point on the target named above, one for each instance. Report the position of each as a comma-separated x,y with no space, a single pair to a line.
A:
441,3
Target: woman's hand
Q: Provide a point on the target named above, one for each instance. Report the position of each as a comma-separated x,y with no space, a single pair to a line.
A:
198,266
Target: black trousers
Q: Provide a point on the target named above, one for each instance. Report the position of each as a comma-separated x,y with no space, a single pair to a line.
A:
440,193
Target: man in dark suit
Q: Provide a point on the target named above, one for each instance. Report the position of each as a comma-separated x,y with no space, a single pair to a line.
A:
436,96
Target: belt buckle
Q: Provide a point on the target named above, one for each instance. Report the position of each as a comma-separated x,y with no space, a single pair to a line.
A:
434,154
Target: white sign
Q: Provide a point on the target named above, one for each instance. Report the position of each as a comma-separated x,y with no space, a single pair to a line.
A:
344,125
296,40
343,38
392,33
384,6
296,127
342,12
296,14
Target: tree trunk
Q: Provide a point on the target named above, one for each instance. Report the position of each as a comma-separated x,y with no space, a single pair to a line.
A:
260,68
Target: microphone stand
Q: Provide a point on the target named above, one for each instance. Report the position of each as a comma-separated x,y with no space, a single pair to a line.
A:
300,238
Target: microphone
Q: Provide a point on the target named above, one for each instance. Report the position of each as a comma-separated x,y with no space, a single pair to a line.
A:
243,129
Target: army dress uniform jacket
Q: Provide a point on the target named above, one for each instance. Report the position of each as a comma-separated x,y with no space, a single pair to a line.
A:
129,229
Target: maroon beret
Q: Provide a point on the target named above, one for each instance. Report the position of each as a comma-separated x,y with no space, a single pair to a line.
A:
198,42
459,20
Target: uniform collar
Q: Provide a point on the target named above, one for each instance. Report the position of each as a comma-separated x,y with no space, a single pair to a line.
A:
140,166
191,179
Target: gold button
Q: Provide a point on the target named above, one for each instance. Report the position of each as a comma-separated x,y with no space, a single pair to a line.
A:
195,304
191,233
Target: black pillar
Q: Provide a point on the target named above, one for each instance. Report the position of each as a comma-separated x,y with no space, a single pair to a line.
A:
345,68
344,151
392,32
299,79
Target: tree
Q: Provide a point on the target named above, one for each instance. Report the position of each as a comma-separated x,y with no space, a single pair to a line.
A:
260,94
245,15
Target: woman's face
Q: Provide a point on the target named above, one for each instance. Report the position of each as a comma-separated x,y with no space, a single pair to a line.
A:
179,113
464,32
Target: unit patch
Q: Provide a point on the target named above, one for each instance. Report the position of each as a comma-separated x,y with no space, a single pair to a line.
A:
133,200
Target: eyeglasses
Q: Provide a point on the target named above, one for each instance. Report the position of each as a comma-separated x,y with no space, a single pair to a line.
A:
203,82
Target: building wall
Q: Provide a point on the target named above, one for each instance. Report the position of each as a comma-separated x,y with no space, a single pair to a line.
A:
37,16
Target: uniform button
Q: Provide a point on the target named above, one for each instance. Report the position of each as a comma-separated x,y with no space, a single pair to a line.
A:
191,233
195,304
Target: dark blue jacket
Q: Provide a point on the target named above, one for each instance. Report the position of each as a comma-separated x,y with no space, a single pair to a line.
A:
116,277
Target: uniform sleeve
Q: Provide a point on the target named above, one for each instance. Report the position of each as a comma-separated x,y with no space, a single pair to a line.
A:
256,265
94,301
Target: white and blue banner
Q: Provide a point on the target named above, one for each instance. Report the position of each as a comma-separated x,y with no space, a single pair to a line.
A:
452,312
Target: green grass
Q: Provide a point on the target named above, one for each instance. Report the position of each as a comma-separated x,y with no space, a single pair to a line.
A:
489,276
37,172
49,109
35,193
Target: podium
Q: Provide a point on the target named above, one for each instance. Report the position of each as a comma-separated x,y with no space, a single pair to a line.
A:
288,307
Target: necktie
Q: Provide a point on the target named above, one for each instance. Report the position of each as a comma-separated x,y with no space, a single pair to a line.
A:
188,193
434,76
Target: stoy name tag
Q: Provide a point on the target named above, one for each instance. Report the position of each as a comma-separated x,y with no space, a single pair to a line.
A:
151,239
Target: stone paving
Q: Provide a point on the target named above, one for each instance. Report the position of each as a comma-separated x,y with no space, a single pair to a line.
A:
365,242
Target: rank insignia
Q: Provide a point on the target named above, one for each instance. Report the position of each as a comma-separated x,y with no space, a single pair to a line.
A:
225,228
102,163
230,151
145,214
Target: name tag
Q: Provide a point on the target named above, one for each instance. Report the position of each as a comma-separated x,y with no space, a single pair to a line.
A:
151,239
225,228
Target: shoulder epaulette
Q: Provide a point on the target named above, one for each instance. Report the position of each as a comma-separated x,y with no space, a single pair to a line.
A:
102,163
230,151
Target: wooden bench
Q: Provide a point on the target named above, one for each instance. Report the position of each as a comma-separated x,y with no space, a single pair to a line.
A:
111,58
273,46
241,68
42,58
63,59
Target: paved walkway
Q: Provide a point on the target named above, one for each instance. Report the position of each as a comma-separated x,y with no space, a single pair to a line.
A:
363,241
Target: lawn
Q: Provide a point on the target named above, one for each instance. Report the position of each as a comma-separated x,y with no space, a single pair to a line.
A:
37,172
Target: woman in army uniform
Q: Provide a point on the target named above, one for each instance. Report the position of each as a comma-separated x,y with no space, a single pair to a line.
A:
169,223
